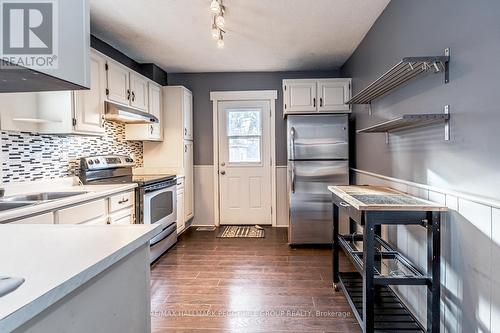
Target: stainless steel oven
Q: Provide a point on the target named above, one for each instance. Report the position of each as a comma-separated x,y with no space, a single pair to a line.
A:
155,196
156,204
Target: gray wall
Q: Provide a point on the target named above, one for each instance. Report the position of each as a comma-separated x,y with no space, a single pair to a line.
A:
470,162
201,84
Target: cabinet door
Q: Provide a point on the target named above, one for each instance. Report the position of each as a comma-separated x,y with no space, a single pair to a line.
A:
118,83
89,104
181,224
47,218
187,110
188,181
299,96
138,92
90,211
333,94
155,109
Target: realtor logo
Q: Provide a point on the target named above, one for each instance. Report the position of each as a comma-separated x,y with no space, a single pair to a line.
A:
29,33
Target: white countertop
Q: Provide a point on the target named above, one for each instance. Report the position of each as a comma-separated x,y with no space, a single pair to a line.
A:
56,260
57,185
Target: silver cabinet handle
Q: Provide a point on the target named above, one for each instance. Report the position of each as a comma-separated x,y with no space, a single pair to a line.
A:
122,201
133,96
152,129
128,94
314,102
321,102
185,148
343,204
185,131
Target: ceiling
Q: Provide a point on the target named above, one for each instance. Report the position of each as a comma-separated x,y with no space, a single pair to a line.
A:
262,35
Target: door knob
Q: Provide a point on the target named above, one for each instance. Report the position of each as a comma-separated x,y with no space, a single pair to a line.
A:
223,173
223,164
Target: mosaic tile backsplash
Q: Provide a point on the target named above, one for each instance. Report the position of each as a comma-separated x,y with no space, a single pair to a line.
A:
29,156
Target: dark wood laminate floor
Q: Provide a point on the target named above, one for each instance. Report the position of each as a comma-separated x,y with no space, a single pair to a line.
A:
209,284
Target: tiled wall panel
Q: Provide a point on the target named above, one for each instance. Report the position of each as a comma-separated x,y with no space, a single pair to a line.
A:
29,156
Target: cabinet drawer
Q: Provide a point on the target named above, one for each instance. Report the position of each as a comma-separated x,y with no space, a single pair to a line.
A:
121,201
47,218
82,213
124,217
99,221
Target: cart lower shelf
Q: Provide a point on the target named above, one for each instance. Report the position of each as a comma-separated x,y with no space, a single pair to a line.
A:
391,315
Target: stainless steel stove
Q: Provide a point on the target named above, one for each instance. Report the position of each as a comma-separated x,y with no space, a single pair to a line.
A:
155,196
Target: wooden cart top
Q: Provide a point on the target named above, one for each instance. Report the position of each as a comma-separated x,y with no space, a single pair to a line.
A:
366,197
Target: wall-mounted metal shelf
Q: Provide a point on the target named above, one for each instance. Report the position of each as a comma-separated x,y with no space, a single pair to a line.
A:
406,70
409,121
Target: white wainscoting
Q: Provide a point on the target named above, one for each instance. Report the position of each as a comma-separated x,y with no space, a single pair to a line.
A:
470,256
204,196
282,197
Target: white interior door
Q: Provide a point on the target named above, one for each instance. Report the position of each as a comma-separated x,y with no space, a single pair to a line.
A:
244,162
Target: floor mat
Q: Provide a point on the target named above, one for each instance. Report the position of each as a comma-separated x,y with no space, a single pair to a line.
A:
241,232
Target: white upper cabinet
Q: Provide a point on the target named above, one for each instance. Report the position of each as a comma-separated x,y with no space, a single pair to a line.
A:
126,87
300,95
187,110
148,132
89,104
118,83
58,112
333,95
303,96
155,100
138,92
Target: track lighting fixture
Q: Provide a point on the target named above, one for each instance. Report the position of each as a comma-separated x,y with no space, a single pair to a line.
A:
219,23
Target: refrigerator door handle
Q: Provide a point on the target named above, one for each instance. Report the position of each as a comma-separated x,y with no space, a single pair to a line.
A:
293,176
292,143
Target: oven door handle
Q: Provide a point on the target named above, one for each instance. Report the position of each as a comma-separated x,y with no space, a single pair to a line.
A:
150,194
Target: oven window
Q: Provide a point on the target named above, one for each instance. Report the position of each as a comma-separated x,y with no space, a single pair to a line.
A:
161,206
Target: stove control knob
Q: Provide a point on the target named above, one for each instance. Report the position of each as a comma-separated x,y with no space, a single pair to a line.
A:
129,160
97,161
90,162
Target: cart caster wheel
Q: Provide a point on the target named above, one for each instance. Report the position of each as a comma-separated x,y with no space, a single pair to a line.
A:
336,287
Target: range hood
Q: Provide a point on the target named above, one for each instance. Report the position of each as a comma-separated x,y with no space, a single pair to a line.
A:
125,114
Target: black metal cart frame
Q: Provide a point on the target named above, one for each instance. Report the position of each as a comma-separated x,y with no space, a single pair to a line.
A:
378,308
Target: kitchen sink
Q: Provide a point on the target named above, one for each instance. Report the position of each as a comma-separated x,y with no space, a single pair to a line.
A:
37,197
12,205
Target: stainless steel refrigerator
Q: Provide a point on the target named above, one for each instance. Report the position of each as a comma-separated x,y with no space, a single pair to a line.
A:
318,156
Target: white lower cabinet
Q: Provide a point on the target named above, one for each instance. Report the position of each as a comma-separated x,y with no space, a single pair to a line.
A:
125,217
117,209
87,212
99,221
47,218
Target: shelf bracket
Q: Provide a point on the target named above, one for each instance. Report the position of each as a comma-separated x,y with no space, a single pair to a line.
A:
447,66
447,124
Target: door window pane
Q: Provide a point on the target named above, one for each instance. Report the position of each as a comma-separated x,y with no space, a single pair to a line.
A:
244,150
243,123
244,130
